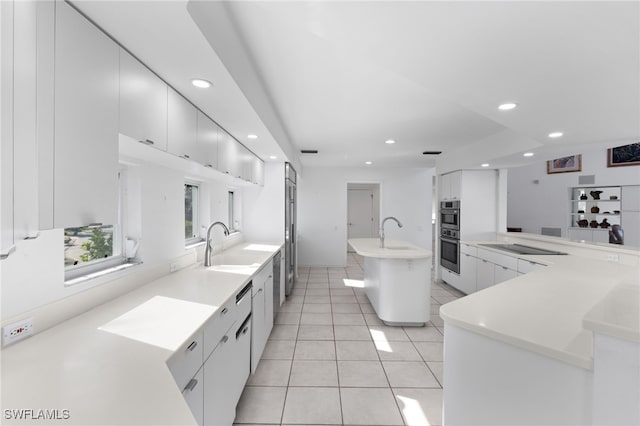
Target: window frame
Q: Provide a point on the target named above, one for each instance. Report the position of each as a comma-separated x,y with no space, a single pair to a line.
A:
72,272
231,210
195,210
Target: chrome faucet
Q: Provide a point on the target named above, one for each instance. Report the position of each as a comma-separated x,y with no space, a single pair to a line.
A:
382,228
207,249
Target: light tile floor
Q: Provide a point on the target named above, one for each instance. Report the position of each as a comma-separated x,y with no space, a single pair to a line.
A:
331,361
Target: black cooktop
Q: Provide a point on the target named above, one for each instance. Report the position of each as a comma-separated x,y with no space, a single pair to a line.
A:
522,249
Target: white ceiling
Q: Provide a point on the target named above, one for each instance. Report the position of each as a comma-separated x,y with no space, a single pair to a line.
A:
342,77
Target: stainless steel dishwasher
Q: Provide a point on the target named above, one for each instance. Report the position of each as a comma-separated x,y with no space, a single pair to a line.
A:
276,283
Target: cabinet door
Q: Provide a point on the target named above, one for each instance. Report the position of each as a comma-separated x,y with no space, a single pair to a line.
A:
219,399
445,187
502,273
268,302
455,185
630,222
485,277
194,395
467,273
6,108
245,164
207,143
143,102
86,122
181,125
630,198
258,171
228,154
242,359
258,325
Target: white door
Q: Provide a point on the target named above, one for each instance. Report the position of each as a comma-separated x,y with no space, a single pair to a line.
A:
360,216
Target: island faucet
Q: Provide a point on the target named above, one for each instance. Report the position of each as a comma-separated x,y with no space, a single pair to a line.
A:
207,249
382,228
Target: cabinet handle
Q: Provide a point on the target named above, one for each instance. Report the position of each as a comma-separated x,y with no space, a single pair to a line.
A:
185,156
259,290
270,276
192,346
505,268
468,255
245,330
209,166
3,256
224,311
32,237
191,385
224,339
484,261
147,142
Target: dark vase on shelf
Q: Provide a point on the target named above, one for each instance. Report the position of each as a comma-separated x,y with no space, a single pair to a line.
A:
583,197
580,211
595,209
583,223
604,224
593,224
596,194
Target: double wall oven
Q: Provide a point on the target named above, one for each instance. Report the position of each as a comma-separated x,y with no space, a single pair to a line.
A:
450,235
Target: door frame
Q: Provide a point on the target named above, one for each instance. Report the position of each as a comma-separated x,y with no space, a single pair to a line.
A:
376,186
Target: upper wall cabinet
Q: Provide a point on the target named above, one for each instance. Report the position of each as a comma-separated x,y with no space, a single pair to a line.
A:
181,126
143,103
258,171
228,154
86,122
450,186
207,145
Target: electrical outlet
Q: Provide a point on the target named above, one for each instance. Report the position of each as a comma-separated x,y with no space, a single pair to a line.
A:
173,267
17,331
613,258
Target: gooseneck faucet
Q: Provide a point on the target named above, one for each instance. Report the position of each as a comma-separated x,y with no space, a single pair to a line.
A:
382,228
207,249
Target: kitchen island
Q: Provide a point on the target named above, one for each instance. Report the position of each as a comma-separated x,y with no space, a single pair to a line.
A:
397,280
559,345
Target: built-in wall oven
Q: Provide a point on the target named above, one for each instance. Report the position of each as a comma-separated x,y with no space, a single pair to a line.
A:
450,235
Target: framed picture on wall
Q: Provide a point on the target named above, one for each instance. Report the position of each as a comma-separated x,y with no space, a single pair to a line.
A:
625,155
572,163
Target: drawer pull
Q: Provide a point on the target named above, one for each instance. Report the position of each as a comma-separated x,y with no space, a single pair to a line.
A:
147,142
245,330
192,346
224,311
270,276
259,290
224,339
191,385
505,268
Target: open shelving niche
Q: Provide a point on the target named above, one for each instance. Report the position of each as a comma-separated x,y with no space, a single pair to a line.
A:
609,208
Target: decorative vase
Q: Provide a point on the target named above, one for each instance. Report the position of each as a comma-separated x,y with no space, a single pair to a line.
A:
596,194
613,197
583,223
604,224
580,211
583,197
595,209
593,223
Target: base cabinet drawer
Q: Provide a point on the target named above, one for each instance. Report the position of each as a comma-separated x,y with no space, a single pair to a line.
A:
194,395
502,273
186,361
485,277
526,266
467,274
219,396
450,277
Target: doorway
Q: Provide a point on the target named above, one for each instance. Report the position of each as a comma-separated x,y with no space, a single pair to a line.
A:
363,210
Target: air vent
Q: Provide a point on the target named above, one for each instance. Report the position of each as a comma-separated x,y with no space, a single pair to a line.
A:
309,151
431,152
587,180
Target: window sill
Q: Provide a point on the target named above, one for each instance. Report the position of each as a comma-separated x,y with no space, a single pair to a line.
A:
101,273
194,244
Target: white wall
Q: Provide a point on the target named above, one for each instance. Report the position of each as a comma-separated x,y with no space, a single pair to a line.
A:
264,207
34,275
322,209
546,204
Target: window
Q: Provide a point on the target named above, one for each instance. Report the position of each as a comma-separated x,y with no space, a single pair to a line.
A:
94,247
232,218
191,219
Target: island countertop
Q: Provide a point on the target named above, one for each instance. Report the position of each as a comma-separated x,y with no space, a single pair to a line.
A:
549,311
393,249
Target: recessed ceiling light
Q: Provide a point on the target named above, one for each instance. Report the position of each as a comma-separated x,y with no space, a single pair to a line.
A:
484,165
203,84
368,163
389,141
555,134
273,157
528,154
507,106
252,136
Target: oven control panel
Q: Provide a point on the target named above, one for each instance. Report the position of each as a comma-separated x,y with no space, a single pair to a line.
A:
449,233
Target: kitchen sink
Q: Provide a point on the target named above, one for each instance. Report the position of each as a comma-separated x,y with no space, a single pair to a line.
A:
522,249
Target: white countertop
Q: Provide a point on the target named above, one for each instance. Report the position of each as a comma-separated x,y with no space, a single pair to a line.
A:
108,365
543,311
394,249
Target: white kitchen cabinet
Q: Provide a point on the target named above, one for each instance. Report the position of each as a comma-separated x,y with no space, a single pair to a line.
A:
258,171
241,364
6,105
194,395
143,103
526,266
228,154
219,399
450,186
467,282
207,142
630,195
502,273
450,277
262,312
181,125
86,122
186,361
245,163
485,274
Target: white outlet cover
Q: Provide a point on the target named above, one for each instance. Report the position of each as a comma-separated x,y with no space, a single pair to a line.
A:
17,331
